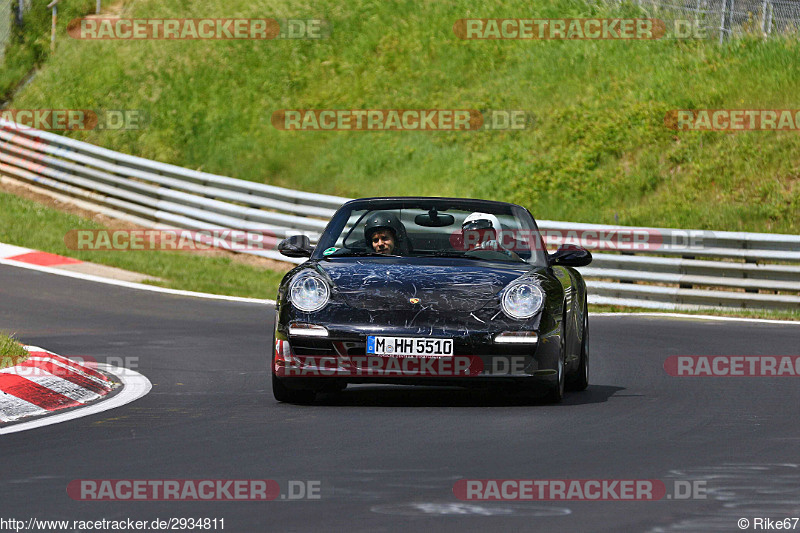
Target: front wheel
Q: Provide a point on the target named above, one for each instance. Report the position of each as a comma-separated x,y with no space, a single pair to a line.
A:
557,389
556,393
581,380
284,394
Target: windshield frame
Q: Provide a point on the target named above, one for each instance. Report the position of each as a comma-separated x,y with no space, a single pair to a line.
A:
337,223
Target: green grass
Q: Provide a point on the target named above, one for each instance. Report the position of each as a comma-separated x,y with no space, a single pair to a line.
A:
11,352
30,43
29,224
599,151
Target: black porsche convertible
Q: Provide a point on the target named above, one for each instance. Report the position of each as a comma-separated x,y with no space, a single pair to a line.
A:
433,291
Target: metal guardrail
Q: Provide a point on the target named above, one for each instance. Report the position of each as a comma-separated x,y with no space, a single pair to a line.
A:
715,269
157,194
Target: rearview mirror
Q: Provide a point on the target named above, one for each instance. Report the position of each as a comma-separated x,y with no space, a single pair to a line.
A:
570,255
296,246
433,219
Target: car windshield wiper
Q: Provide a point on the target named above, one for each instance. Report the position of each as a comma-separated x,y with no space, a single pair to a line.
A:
447,253
463,255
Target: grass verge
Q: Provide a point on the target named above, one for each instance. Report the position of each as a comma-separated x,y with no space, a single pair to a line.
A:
29,46
11,352
27,223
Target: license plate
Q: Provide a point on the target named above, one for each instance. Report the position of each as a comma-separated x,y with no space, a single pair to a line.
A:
409,346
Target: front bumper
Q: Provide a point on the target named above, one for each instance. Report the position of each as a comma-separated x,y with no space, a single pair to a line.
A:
477,359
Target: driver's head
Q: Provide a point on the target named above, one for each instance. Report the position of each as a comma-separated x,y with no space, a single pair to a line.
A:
478,228
383,241
383,231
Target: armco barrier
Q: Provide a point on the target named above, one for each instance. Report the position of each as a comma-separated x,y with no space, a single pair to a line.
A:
725,269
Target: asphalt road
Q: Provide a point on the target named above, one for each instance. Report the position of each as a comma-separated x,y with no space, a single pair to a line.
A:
387,458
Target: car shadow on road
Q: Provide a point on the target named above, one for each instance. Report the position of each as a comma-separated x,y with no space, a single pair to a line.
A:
419,396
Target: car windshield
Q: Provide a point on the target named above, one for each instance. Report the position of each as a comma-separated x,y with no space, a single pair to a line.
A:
436,228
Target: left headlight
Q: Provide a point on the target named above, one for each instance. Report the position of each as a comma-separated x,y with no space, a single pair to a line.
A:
308,292
522,299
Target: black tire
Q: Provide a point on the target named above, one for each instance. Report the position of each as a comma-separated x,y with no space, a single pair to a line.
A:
581,379
284,394
336,388
556,393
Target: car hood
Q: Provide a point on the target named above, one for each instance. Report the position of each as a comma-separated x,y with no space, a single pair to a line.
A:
443,285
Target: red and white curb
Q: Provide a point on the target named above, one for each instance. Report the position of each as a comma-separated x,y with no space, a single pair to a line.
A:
18,256
46,382
34,257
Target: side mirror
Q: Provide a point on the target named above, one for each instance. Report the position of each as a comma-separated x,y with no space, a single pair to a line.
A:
296,246
571,255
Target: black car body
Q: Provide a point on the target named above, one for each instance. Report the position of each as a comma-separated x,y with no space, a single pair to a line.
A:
435,295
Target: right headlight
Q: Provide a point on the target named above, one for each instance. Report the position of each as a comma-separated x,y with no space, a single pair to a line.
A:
522,299
308,292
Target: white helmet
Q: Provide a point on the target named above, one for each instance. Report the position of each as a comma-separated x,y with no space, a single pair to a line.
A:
476,234
481,221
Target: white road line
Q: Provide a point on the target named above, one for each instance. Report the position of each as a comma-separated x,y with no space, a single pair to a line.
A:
9,250
133,285
703,317
134,386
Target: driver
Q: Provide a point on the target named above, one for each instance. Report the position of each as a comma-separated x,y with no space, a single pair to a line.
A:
480,232
385,233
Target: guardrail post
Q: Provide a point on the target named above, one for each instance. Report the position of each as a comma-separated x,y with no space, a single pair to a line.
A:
686,285
629,281
727,9
754,261
769,18
54,6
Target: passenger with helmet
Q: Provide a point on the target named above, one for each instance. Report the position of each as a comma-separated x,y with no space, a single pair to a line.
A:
481,231
386,235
